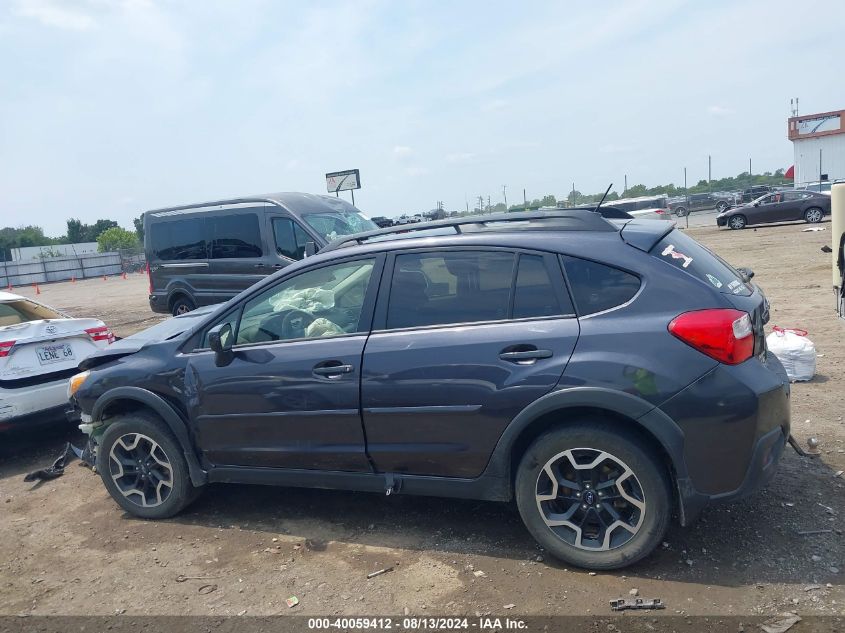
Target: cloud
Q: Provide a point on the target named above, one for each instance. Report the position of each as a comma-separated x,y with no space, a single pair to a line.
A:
52,14
402,151
416,171
460,157
611,148
717,110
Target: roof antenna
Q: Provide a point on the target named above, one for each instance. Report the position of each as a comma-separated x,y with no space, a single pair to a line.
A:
598,206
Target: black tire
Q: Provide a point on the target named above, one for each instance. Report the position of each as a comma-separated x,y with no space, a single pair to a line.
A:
737,222
651,477
813,215
721,206
182,305
181,491
680,212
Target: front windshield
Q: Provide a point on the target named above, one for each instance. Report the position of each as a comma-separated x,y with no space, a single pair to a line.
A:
334,224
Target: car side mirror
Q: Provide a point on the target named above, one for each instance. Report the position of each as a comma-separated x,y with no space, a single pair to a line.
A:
220,341
756,204
310,249
747,274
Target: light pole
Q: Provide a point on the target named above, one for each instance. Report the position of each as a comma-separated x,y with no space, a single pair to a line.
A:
505,194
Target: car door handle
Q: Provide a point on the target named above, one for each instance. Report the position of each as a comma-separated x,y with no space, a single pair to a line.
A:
526,356
333,370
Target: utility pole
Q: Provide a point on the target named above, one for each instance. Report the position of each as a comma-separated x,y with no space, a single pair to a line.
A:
709,172
480,204
686,194
505,194
626,185
489,206
820,167
524,200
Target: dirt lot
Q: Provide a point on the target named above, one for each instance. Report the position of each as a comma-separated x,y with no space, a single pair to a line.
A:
67,549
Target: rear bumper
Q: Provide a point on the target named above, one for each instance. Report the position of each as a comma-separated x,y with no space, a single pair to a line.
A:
735,422
158,303
22,405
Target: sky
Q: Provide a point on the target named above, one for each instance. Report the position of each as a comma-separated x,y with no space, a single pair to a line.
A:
111,107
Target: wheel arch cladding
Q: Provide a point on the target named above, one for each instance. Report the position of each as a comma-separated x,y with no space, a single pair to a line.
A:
625,411
125,399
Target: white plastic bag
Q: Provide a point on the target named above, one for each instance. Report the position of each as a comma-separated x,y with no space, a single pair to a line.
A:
795,351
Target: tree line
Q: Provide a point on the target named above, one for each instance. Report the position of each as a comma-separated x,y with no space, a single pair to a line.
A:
108,235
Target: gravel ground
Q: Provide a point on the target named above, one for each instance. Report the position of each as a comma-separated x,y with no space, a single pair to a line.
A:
67,549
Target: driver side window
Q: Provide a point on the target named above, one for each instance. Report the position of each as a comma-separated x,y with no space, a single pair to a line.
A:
317,303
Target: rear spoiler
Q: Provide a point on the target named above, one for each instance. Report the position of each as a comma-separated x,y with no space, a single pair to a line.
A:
644,234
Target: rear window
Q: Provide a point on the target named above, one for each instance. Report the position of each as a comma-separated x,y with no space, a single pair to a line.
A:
23,311
681,251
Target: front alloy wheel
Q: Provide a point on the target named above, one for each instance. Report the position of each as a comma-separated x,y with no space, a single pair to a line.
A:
813,215
737,222
590,499
141,470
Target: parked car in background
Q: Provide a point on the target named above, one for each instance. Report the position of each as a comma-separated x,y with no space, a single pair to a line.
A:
821,187
648,207
752,193
584,367
205,253
699,202
779,206
382,222
40,348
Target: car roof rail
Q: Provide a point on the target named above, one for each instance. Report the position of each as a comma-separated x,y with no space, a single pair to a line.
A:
573,219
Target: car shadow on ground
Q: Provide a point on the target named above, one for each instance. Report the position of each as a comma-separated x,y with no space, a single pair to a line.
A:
790,532
754,540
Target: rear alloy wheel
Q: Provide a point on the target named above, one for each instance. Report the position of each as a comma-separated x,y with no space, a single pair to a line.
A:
182,305
722,206
813,215
737,222
143,467
680,212
593,496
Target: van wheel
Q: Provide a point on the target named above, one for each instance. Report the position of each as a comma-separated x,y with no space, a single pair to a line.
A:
182,305
680,212
143,467
721,206
593,496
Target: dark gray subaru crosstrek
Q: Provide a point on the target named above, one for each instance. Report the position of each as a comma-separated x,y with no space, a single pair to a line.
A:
604,374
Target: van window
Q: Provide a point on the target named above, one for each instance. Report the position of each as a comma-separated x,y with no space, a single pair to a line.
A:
179,239
290,238
234,236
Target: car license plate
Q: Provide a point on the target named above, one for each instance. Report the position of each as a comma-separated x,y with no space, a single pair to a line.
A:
54,353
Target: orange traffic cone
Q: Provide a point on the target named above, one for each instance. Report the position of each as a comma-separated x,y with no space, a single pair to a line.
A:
104,278
10,287
73,280
124,274
37,289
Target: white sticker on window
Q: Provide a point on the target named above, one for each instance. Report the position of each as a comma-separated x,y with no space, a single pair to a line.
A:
714,280
670,250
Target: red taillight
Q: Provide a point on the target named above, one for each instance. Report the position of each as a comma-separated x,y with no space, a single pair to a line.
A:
660,211
723,334
5,348
149,278
103,333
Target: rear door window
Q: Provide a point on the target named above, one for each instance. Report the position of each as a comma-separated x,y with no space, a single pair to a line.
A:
535,294
179,239
683,252
235,236
598,287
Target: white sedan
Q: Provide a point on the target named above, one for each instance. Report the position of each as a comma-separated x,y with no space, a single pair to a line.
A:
40,348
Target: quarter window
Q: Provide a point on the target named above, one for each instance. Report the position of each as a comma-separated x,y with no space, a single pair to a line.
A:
596,287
